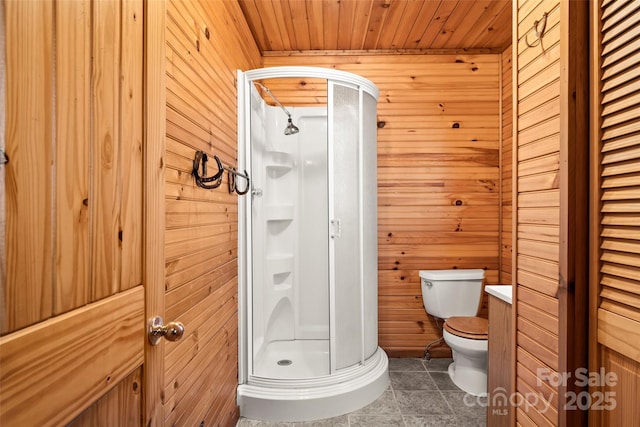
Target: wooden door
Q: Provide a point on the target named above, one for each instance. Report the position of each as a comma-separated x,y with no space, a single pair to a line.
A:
72,307
615,244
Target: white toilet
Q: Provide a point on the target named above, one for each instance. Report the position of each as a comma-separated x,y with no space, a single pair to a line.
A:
454,296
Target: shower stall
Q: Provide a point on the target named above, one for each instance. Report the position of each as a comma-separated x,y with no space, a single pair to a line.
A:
307,252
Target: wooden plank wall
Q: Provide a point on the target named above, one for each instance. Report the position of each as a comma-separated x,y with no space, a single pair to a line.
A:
506,171
538,209
206,43
438,174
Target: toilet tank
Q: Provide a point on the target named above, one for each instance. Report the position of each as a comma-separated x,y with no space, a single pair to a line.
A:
448,293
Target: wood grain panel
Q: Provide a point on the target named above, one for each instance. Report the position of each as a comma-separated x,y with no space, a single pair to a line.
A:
130,229
105,192
84,62
533,382
28,288
538,334
438,185
536,179
541,282
102,343
526,361
206,42
544,320
185,363
615,279
619,333
154,201
282,26
543,303
537,409
501,354
506,170
73,133
624,390
122,406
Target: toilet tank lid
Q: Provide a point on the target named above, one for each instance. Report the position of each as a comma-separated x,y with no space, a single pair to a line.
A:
460,274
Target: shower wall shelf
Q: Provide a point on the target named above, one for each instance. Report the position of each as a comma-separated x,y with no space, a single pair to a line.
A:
282,281
278,163
278,264
279,212
279,158
276,171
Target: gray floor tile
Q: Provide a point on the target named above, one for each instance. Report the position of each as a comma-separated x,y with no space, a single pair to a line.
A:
341,421
438,365
443,381
246,422
376,421
405,365
421,402
472,421
464,404
412,381
384,405
431,421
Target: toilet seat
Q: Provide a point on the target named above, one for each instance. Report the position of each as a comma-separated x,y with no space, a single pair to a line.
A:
475,328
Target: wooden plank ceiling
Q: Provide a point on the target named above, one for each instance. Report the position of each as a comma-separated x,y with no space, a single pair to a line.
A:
379,25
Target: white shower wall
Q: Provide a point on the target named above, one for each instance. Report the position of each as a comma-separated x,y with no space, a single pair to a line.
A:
289,228
312,269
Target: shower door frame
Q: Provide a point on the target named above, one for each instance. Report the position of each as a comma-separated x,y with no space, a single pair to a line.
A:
245,257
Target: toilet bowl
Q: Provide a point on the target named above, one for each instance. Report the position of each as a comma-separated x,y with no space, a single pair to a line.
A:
454,296
467,337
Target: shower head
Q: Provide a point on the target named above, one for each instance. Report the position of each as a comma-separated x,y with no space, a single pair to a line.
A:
291,129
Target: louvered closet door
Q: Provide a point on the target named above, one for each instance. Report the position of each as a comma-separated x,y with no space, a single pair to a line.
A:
615,309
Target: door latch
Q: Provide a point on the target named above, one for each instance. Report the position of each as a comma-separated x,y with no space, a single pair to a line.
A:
336,228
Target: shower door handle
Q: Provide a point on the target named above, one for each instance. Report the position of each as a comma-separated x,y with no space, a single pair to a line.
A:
336,228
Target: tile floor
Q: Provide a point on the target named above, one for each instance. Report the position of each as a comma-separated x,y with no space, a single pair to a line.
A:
420,394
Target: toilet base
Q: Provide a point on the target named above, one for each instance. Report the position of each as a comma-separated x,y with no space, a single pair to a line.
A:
469,378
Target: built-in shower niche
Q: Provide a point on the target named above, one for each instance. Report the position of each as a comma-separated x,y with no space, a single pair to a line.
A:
279,269
278,163
282,281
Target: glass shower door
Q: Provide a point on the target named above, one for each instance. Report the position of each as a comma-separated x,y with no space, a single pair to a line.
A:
345,225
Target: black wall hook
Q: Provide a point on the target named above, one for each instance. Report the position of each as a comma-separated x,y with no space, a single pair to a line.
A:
202,180
233,173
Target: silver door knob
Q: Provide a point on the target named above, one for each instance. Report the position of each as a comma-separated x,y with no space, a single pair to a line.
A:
172,331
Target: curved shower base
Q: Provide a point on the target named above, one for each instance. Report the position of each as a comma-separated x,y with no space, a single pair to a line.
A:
315,398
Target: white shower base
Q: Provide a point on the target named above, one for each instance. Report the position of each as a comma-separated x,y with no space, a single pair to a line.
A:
309,358
309,399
